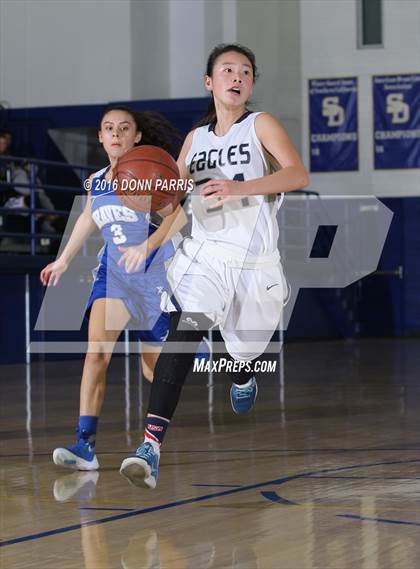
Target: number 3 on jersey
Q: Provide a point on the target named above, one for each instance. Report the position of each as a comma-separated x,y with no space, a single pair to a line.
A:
118,236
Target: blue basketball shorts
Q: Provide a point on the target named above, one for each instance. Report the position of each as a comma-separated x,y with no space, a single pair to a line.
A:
141,294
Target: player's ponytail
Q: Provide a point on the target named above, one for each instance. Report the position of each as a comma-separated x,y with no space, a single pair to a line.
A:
210,116
158,131
155,128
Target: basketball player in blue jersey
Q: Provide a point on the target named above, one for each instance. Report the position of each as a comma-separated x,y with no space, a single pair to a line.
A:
228,273
131,275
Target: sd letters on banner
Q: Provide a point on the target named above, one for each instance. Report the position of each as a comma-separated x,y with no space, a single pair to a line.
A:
396,102
333,125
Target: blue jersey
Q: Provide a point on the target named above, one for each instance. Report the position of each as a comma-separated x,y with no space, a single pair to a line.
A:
122,226
140,291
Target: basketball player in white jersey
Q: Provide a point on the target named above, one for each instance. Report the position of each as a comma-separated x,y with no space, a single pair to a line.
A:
228,273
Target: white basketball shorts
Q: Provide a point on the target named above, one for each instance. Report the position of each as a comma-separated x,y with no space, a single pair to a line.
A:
244,296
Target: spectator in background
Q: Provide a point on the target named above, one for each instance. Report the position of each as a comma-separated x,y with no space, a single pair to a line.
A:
5,141
7,191
16,195
5,166
21,178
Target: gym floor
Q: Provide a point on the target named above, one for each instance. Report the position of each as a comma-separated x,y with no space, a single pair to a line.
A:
323,473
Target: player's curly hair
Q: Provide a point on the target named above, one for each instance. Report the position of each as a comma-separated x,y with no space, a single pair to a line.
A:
210,116
155,128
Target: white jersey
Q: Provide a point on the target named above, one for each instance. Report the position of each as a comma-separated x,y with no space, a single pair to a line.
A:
247,226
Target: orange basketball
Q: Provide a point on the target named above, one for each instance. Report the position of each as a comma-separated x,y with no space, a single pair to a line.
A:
147,179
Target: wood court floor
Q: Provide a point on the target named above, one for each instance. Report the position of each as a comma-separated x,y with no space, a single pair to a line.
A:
327,476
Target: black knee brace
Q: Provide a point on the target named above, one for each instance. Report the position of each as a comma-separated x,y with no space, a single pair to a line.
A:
173,366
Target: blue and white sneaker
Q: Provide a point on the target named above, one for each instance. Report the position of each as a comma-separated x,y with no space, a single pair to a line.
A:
242,397
142,469
80,456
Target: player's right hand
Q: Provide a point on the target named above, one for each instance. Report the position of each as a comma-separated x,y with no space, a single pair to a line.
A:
51,274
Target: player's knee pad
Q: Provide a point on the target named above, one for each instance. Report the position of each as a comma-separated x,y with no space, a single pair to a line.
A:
186,331
175,362
193,324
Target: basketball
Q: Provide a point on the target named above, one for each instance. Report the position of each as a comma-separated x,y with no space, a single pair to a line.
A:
147,179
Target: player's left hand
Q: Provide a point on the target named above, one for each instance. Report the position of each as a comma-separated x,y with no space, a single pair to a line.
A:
132,257
222,191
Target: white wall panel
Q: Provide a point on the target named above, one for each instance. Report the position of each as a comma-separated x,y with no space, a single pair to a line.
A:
329,49
64,53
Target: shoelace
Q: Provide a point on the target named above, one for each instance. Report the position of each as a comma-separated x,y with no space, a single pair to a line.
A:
146,452
243,392
84,444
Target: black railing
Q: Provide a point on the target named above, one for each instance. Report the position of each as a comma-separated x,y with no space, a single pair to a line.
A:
34,185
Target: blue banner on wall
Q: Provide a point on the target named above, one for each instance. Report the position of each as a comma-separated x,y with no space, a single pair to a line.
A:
333,124
396,101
